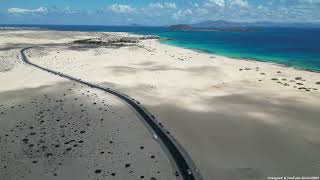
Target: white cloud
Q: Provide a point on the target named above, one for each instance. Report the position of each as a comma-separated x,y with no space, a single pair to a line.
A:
121,8
168,13
165,5
170,5
219,3
226,3
157,9
310,1
239,3
182,14
40,10
68,10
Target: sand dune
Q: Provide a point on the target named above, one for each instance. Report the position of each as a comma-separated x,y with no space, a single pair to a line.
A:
237,119
53,128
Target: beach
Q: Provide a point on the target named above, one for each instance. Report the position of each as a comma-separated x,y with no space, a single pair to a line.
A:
51,127
237,119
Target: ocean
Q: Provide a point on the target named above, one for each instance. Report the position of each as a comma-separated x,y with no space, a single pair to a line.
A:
294,47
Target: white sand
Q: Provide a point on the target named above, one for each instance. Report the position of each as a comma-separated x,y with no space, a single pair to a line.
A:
233,125
42,116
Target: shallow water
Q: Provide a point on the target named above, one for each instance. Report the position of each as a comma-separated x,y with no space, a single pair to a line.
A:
296,47
291,47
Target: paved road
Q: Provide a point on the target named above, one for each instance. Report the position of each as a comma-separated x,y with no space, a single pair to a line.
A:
185,164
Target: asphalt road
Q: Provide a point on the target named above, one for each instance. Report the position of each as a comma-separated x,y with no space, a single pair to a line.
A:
187,168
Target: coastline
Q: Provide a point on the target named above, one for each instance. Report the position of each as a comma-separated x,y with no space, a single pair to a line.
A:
231,116
240,57
246,59
243,59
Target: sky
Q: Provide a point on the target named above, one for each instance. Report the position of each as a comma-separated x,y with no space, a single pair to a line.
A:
155,12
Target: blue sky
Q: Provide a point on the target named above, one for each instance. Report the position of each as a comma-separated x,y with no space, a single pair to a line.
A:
155,12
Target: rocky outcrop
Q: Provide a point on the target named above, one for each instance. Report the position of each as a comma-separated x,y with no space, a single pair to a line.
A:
129,39
149,37
109,40
116,39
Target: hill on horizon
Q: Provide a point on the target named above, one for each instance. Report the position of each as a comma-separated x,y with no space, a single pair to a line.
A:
230,24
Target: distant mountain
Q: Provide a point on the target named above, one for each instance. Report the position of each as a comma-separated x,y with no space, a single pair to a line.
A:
181,27
211,26
220,24
135,24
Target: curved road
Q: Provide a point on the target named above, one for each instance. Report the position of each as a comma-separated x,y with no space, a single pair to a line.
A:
186,166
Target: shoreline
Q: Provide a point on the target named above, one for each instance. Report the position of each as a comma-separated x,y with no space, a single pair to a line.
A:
169,39
243,59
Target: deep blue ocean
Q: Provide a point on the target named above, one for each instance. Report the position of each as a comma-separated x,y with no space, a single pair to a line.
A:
295,47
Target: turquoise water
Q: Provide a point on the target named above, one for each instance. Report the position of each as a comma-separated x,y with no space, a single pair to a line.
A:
295,47
291,47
